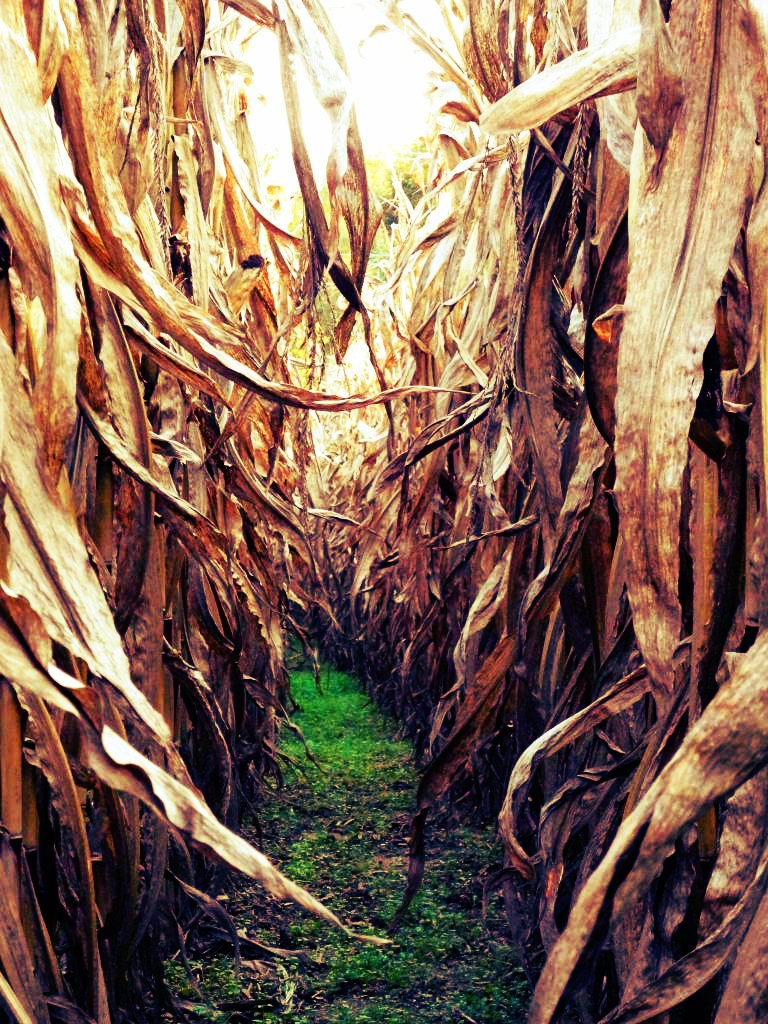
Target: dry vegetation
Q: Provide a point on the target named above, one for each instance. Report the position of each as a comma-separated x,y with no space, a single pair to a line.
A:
550,564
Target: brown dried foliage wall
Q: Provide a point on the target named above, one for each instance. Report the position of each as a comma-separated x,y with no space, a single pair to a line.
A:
552,565
149,529
559,581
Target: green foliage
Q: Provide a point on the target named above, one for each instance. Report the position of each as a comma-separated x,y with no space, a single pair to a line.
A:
340,827
344,832
407,169
206,984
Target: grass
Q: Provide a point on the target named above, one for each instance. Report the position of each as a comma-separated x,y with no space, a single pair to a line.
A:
339,826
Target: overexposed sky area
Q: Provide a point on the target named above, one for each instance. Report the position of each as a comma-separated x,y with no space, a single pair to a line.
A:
389,78
389,74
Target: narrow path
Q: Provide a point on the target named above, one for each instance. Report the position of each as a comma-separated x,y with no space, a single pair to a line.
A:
340,827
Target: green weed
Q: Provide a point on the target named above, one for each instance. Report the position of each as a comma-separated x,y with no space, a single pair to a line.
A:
206,984
349,846
340,827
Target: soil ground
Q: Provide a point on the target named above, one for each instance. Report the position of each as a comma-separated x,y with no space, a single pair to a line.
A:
339,826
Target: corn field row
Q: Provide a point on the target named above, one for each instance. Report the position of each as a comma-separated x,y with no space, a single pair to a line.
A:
539,538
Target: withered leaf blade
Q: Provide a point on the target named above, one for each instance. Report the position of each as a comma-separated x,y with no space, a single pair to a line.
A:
689,975
659,82
48,564
27,672
224,135
193,30
595,71
12,1004
15,954
726,746
126,769
47,753
605,318
697,205
744,996
40,232
618,698
118,390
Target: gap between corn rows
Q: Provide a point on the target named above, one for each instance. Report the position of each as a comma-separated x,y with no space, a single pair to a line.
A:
339,826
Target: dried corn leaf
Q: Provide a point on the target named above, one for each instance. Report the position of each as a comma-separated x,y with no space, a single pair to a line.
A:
726,746
695,199
47,562
12,1005
46,752
254,10
196,234
223,134
300,33
131,464
124,768
48,37
689,975
39,231
745,993
119,392
618,698
596,71
43,680
193,15
16,957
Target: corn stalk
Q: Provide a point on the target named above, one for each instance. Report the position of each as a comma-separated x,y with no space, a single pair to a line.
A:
558,580
149,529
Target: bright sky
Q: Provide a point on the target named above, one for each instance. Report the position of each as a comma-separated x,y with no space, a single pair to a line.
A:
390,85
389,74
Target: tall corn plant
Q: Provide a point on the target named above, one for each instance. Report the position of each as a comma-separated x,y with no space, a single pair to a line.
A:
149,527
560,578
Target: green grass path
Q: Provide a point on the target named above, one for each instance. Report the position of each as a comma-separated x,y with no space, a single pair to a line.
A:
339,826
